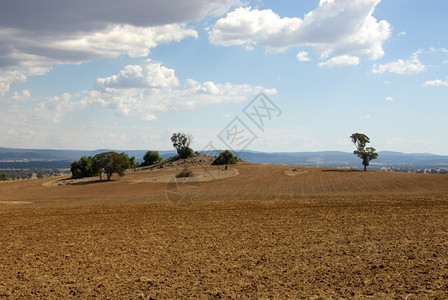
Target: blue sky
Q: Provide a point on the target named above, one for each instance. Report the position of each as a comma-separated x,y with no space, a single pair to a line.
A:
126,75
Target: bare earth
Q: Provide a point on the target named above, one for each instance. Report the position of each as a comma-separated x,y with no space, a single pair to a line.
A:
254,231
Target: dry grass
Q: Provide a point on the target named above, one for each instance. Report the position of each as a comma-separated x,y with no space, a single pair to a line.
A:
260,234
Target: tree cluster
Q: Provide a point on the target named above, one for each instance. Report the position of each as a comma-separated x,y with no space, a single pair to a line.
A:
108,163
24,174
83,167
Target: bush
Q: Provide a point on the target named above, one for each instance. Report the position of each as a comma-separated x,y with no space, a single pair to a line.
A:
151,157
185,173
185,152
3,176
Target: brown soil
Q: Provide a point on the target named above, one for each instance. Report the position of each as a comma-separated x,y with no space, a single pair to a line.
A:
323,234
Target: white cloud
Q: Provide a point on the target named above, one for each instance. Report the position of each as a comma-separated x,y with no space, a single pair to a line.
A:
145,88
338,26
149,117
113,41
435,50
340,61
146,75
389,98
56,107
35,36
410,66
403,34
303,56
24,95
436,82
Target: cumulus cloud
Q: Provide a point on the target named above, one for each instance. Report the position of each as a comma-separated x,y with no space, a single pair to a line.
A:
83,15
56,107
436,82
144,89
37,35
389,98
303,56
146,75
410,66
337,26
340,61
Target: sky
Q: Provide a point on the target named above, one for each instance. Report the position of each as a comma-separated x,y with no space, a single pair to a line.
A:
273,76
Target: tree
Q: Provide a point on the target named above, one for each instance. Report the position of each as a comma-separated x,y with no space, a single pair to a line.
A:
83,167
226,157
151,157
109,163
181,142
130,161
366,154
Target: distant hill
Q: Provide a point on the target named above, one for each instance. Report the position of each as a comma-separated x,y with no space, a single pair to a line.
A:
11,158
16,158
345,159
67,155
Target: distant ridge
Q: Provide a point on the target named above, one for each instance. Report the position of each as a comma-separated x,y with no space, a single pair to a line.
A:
33,158
64,155
391,159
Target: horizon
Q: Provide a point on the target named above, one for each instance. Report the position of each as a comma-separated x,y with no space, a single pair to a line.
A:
264,75
201,151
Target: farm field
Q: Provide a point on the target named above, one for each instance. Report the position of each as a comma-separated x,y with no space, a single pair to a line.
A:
256,231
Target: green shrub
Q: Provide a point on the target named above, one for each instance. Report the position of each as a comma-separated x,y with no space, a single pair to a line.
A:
83,167
151,157
226,157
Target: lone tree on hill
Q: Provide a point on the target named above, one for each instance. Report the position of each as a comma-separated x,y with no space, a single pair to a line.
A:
366,154
181,142
109,163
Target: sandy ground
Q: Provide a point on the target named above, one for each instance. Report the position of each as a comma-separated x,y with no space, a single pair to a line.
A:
322,234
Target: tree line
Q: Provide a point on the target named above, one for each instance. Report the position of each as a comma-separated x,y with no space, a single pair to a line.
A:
107,163
24,174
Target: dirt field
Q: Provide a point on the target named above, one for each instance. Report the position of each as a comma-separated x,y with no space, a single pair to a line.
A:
268,232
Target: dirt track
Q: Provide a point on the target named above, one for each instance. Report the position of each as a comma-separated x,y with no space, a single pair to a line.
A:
262,233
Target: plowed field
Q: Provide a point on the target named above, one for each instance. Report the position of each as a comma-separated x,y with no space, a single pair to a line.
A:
269,232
